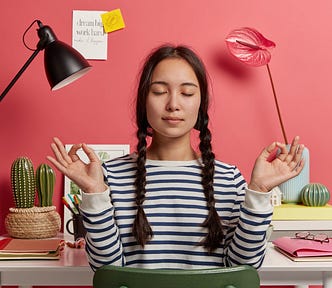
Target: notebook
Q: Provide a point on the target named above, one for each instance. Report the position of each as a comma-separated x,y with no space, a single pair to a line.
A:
304,250
12,248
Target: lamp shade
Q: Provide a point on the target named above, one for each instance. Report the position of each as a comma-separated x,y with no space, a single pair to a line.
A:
63,64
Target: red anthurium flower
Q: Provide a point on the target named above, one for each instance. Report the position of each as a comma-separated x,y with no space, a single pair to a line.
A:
252,48
249,46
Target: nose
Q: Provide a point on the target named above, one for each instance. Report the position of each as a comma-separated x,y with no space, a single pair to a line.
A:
173,102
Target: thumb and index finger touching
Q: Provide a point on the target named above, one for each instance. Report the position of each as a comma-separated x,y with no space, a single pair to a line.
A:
62,158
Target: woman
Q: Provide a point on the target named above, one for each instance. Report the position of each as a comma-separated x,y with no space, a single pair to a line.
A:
167,205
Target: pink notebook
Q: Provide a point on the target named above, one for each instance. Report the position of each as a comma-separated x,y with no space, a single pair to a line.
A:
303,248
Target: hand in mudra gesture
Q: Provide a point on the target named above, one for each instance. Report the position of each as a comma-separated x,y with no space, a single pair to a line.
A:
87,176
269,173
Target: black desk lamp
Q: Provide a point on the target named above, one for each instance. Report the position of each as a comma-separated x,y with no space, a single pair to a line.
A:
63,64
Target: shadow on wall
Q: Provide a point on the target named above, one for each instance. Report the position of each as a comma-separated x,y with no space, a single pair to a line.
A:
225,62
6,201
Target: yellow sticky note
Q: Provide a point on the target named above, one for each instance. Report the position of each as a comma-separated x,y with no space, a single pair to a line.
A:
112,20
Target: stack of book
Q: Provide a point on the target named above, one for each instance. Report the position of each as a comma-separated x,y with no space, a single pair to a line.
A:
12,248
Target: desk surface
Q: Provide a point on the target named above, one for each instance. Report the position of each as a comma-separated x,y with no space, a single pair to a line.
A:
277,269
73,270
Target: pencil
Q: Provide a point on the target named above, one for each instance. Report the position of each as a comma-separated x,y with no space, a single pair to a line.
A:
64,201
76,208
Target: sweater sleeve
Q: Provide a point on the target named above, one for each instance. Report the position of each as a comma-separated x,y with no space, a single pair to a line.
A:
103,244
248,244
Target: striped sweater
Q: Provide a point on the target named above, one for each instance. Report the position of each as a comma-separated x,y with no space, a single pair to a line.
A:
175,207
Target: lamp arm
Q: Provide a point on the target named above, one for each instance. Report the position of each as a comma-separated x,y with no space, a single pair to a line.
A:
19,73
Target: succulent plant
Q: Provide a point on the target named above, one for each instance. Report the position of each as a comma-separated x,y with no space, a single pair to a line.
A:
315,194
45,180
23,182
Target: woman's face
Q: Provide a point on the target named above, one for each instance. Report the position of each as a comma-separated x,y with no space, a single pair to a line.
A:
174,99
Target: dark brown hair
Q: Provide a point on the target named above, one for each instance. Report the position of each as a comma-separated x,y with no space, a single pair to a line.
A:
141,228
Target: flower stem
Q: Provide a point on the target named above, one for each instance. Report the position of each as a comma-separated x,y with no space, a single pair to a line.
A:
277,105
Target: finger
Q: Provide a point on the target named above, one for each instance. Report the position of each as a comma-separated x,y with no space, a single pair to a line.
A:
90,153
294,146
58,165
297,158
58,154
283,153
271,148
62,153
296,168
299,167
73,152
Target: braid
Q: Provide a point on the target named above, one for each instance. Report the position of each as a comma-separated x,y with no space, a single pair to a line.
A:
141,228
212,222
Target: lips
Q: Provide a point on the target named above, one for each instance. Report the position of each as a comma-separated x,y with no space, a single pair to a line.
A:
172,120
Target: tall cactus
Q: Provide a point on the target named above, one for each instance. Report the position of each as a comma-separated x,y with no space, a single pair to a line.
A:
45,180
23,182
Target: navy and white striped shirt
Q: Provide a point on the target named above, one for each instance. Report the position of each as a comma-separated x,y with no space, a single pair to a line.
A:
175,207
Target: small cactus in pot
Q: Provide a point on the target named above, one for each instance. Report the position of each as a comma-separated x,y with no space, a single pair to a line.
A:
45,181
23,182
26,220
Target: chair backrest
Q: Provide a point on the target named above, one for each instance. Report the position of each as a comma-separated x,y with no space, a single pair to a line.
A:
127,277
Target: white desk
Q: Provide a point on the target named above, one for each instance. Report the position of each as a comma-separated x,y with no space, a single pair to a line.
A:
279,270
73,270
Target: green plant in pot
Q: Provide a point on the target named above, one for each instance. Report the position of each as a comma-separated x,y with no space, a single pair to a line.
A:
23,182
45,181
26,220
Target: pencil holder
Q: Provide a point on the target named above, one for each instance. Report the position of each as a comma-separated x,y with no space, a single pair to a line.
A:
74,226
33,223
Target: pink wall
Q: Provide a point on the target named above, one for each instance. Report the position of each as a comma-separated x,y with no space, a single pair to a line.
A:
98,109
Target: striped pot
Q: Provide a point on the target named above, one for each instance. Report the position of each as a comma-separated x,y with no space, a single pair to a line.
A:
315,194
291,189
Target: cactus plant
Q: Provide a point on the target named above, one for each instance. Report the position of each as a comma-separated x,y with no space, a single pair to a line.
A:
23,182
45,180
315,194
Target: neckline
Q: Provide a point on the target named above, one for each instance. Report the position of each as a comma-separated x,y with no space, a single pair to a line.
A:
174,163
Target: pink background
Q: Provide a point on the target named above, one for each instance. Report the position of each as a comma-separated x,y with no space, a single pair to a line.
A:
98,109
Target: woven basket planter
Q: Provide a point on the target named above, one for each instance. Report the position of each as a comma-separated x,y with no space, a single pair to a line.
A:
33,223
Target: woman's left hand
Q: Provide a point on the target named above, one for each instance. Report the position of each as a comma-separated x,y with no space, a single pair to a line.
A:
268,174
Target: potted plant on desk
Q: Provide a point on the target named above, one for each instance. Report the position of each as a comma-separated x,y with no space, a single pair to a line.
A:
27,220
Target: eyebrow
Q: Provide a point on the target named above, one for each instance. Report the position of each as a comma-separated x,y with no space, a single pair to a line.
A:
182,84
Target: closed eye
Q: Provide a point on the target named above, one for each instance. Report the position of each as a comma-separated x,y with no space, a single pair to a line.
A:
187,94
159,92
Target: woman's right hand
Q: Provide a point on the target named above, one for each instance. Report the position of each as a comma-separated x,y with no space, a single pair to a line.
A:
88,177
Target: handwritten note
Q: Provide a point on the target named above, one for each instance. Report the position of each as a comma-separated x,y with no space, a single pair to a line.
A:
89,37
112,20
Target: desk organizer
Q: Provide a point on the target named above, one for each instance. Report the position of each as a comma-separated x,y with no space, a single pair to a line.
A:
34,222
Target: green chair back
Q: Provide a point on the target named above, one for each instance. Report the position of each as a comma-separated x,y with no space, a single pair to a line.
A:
127,277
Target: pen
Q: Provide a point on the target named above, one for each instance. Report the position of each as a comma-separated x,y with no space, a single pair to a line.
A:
71,198
64,201
76,203
77,199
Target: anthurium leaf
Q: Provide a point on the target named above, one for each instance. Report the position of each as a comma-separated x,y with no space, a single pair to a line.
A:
249,46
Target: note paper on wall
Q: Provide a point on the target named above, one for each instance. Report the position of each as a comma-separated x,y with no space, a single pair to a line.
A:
89,37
